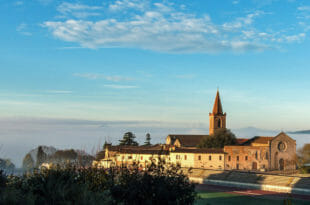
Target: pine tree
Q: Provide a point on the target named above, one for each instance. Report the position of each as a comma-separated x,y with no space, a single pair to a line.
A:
147,139
128,139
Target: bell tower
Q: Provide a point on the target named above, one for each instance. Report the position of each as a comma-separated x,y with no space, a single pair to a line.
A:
217,117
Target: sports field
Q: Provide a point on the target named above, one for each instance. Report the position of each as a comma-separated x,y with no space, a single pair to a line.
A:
214,194
218,198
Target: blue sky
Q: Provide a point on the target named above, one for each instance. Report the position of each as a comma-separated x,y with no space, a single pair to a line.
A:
76,73
156,61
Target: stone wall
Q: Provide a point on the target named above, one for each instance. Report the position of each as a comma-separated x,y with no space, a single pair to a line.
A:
247,157
283,153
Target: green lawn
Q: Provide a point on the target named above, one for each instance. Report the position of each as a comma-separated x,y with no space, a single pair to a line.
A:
218,198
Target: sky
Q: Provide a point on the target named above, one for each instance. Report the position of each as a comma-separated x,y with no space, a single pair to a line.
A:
158,63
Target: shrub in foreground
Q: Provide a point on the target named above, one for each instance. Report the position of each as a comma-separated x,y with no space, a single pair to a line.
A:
156,185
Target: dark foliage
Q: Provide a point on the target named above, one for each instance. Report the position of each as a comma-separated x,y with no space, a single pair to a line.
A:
304,158
41,156
157,185
219,139
28,162
147,139
128,139
7,165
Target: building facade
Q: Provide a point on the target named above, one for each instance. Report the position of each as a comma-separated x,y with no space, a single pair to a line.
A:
259,153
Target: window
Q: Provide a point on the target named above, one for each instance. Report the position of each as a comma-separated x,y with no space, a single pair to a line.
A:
237,158
210,158
141,157
267,155
185,157
256,155
246,158
237,166
177,156
123,157
220,157
129,157
199,157
219,123
229,158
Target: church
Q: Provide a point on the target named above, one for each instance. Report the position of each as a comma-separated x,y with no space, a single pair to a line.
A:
260,153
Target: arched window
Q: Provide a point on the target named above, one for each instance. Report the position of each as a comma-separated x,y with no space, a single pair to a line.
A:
219,123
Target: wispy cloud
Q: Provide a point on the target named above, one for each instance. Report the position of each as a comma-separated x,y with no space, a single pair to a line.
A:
115,86
18,3
22,29
128,4
241,22
94,76
304,8
78,10
162,27
59,91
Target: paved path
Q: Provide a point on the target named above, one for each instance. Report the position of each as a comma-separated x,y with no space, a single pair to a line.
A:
250,192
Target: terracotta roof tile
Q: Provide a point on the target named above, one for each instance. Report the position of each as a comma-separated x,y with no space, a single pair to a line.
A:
187,140
259,140
199,150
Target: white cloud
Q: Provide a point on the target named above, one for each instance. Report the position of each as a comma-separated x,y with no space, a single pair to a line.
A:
21,28
115,86
242,21
128,4
161,27
295,38
176,32
78,10
95,76
304,8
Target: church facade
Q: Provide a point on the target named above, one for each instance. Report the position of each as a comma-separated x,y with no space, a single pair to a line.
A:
260,153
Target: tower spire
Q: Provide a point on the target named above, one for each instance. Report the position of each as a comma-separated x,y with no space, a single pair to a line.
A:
217,107
217,117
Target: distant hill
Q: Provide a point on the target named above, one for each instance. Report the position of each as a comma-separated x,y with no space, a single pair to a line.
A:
249,132
300,132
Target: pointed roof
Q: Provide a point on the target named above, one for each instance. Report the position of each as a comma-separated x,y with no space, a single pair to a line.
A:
217,108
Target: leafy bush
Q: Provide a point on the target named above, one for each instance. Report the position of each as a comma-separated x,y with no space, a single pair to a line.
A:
219,139
156,185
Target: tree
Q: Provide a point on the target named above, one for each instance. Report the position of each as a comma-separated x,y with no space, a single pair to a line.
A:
147,139
41,156
7,165
128,139
28,162
304,158
219,139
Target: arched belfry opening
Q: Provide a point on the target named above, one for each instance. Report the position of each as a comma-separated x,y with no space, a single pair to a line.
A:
219,123
217,117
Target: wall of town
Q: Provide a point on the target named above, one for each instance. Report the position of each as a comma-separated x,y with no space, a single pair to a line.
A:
247,157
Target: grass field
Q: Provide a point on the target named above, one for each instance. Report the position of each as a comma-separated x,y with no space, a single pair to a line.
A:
222,198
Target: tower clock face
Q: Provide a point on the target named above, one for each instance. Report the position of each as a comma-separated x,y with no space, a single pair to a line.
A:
281,146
